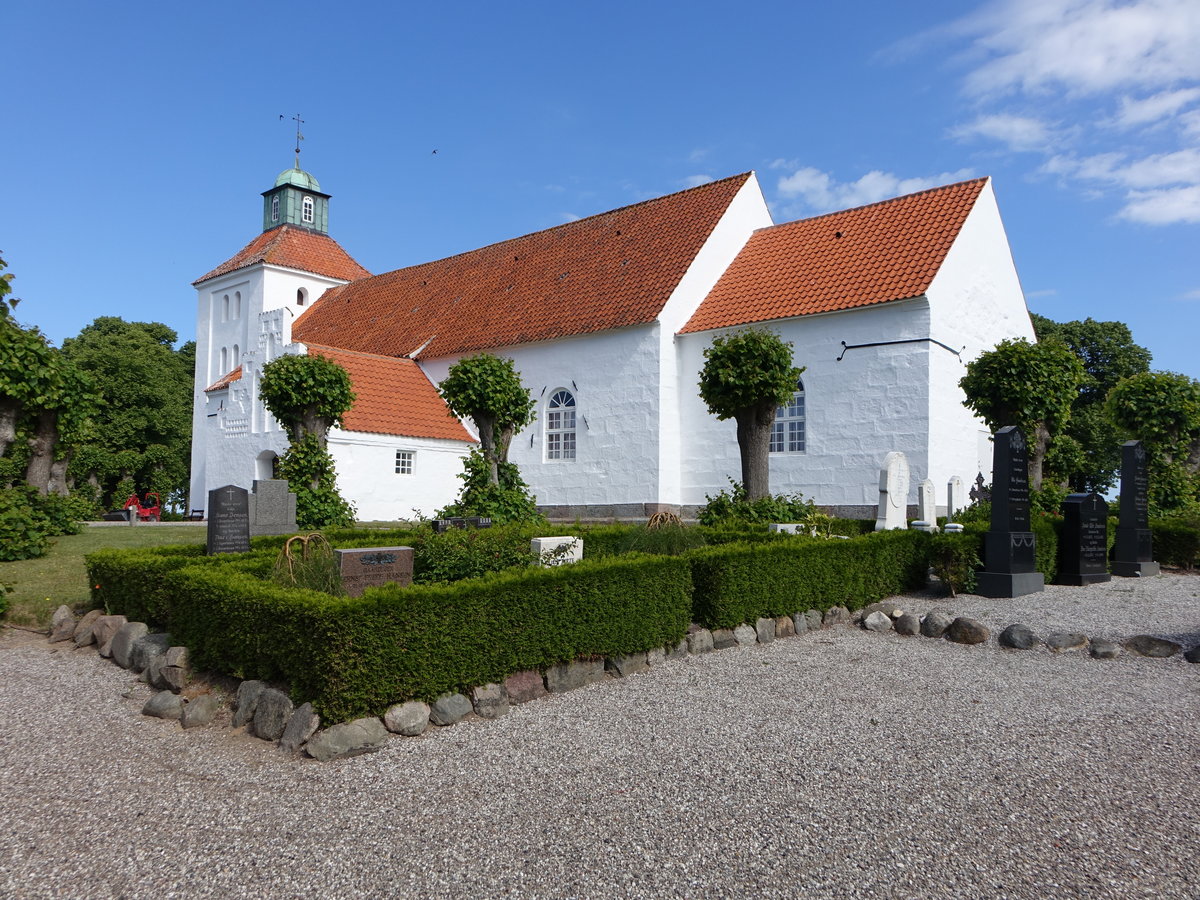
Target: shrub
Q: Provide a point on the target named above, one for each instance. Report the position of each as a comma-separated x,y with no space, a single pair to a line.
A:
731,507
954,559
670,539
307,561
509,501
24,528
64,515
1176,541
470,552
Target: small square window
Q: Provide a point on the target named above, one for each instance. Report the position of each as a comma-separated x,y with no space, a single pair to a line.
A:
404,462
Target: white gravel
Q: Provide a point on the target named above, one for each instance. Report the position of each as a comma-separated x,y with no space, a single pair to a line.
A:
837,764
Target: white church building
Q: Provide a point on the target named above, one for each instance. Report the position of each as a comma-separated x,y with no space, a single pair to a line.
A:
607,319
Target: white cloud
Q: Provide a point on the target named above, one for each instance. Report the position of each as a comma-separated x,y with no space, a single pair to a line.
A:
1181,167
1151,109
1190,295
570,217
698,155
820,192
1048,292
1083,46
1168,206
692,181
1018,132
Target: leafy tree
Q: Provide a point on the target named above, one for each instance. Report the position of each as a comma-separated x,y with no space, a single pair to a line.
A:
1162,409
309,395
508,501
746,376
43,396
1085,454
487,390
1028,385
145,388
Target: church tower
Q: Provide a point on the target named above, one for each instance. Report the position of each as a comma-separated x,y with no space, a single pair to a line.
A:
244,313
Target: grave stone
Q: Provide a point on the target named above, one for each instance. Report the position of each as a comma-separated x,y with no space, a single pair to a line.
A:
272,508
1008,546
956,497
893,493
1133,551
366,567
228,520
1083,545
926,508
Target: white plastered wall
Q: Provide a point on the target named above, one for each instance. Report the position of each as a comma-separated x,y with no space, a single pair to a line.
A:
975,302
366,474
872,402
614,378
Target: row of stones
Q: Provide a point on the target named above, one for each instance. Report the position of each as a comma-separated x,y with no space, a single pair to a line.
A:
888,616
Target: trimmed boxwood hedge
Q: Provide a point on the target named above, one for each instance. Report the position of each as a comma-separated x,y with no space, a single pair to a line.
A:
1176,542
354,657
739,583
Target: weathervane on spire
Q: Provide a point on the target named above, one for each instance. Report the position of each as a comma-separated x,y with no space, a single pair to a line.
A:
299,137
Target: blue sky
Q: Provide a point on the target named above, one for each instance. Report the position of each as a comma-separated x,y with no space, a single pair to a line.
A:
138,137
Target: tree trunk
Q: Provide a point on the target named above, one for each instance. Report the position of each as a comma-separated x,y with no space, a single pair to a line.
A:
9,410
1038,443
43,442
502,444
58,476
754,441
487,442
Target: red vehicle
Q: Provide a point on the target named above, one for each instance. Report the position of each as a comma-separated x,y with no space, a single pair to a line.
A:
151,512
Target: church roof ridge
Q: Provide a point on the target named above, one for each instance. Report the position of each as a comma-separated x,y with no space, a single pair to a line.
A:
606,271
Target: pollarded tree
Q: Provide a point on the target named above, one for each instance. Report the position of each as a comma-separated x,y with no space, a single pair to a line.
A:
487,390
746,376
1163,410
1028,385
309,395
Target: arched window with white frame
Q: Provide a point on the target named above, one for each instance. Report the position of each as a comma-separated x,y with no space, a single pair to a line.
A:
275,208
560,425
306,210
787,434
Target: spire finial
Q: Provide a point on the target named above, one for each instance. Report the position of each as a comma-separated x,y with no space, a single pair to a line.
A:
299,137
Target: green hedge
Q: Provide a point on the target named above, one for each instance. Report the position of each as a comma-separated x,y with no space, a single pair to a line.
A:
354,657
739,583
1176,542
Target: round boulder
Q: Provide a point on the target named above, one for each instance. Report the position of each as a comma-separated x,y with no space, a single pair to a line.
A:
907,624
934,624
877,621
1156,648
1018,637
964,630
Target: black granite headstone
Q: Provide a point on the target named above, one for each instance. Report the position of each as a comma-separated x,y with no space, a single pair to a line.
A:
1083,546
1008,547
1133,551
228,520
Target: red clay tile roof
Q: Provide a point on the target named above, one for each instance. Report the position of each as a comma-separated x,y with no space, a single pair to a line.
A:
294,248
225,380
857,257
393,396
607,271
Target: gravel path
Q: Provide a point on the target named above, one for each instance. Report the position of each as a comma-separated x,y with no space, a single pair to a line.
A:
837,764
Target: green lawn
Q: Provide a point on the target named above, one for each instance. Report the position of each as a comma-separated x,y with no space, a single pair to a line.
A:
41,585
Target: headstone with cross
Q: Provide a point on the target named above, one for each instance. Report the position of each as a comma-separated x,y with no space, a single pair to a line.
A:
893,493
1008,547
1083,544
228,520
1133,551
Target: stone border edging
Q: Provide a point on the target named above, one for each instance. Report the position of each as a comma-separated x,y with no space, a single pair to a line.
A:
269,713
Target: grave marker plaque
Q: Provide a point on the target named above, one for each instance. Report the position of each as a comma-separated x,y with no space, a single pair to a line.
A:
1133,552
926,507
956,497
372,566
228,520
440,526
1008,547
1083,546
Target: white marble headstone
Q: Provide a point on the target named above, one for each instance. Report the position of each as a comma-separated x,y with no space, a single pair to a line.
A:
893,493
926,502
956,496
